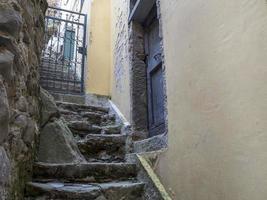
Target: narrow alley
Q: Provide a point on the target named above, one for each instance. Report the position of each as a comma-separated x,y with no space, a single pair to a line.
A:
133,100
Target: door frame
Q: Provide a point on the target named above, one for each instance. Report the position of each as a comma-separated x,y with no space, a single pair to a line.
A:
138,73
160,128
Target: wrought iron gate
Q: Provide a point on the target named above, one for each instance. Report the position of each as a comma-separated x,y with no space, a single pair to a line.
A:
63,56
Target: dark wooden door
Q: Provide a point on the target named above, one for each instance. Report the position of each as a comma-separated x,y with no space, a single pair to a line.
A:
154,78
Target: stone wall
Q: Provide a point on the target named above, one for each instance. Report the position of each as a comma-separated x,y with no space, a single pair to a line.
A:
130,76
121,60
21,33
129,73
138,81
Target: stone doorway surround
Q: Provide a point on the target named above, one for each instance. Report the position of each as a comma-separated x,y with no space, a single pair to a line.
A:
139,10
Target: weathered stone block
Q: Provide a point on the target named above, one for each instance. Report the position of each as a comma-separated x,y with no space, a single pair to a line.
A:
107,148
151,144
138,78
49,107
19,87
87,172
57,144
10,21
30,132
5,170
22,104
4,113
6,64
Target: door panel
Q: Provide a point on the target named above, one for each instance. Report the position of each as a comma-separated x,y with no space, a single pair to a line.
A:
157,96
69,45
155,79
153,43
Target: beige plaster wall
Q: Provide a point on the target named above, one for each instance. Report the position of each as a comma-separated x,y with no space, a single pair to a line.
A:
99,49
120,79
216,64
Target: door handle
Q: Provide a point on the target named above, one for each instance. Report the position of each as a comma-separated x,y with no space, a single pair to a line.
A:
157,57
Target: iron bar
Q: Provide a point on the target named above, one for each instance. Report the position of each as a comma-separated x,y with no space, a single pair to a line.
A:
62,64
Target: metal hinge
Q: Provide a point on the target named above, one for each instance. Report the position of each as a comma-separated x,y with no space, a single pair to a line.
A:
82,50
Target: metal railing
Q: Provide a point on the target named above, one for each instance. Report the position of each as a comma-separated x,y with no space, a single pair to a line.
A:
64,52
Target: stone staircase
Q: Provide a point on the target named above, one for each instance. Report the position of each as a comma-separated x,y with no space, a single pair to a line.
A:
105,175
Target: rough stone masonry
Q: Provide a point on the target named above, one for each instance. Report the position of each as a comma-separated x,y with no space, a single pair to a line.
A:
21,36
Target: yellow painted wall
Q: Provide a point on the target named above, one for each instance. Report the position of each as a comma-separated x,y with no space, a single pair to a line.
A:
216,63
99,49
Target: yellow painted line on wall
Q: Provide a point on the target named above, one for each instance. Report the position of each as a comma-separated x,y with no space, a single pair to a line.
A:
154,178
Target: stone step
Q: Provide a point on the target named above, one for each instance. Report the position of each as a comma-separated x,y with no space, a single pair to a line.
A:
57,86
127,190
59,82
82,173
53,65
82,108
103,148
63,77
95,118
108,119
83,128
51,73
59,89
56,69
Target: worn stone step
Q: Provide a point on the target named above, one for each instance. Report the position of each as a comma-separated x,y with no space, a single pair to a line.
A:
111,129
95,118
56,65
107,148
92,117
49,74
106,191
57,69
70,115
87,172
83,128
54,77
108,119
82,108
89,117
57,86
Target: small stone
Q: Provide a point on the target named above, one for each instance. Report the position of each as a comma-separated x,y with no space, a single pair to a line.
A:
22,104
10,21
4,113
30,132
33,107
21,121
6,65
49,108
5,170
